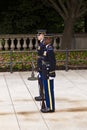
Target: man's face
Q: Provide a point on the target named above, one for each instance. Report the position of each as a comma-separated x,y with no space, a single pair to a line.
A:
48,40
40,37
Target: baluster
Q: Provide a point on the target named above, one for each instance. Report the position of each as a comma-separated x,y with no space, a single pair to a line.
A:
30,45
54,43
12,44
6,44
0,44
24,45
18,43
36,45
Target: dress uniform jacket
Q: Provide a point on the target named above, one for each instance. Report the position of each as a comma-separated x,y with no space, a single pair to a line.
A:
48,73
48,62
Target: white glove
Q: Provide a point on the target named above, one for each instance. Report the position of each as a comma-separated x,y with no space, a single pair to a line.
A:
51,78
38,74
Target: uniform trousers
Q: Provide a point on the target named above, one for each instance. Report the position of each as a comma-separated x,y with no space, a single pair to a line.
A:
49,93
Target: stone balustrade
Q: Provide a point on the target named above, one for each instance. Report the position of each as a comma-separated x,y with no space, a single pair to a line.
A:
23,42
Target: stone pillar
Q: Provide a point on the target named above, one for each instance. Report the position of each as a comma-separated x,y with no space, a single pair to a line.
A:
24,45
36,45
30,45
54,44
6,44
0,44
18,43
12,44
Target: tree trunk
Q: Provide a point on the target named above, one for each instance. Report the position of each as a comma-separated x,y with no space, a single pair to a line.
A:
68,33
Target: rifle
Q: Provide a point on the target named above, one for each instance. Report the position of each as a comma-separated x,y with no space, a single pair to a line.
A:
42,94
33,67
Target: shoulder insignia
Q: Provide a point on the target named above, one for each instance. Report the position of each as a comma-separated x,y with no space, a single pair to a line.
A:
50,48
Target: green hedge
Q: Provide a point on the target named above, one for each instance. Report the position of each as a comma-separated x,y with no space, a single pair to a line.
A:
76,59
22,61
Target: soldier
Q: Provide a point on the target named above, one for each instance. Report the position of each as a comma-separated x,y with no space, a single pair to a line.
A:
48,74
40,51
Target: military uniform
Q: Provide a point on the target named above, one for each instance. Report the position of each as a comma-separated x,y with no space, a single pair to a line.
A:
48,73
40,51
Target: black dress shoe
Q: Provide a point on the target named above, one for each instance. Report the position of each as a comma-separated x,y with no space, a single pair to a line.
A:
46,110
39,98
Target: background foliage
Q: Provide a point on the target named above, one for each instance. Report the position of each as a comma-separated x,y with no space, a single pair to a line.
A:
26,16
22,61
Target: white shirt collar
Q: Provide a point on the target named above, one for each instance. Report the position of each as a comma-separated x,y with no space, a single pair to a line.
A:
41,40
47,45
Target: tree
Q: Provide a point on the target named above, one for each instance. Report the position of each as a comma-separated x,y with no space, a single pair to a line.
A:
26,16
70,11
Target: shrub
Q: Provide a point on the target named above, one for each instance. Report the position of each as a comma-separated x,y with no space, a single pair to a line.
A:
22,61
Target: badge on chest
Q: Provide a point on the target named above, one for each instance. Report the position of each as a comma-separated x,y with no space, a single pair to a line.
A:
45,53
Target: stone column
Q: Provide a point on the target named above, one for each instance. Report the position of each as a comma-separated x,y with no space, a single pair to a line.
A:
30,45
54,44
6,44
0,45
18,43
12,44
24,45
36,45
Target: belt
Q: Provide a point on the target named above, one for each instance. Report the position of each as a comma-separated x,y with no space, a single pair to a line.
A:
39,57
45,63
51,72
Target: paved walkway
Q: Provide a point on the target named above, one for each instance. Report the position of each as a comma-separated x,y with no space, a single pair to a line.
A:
19,110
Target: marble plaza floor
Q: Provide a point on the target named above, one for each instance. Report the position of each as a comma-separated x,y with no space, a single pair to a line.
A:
19,110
